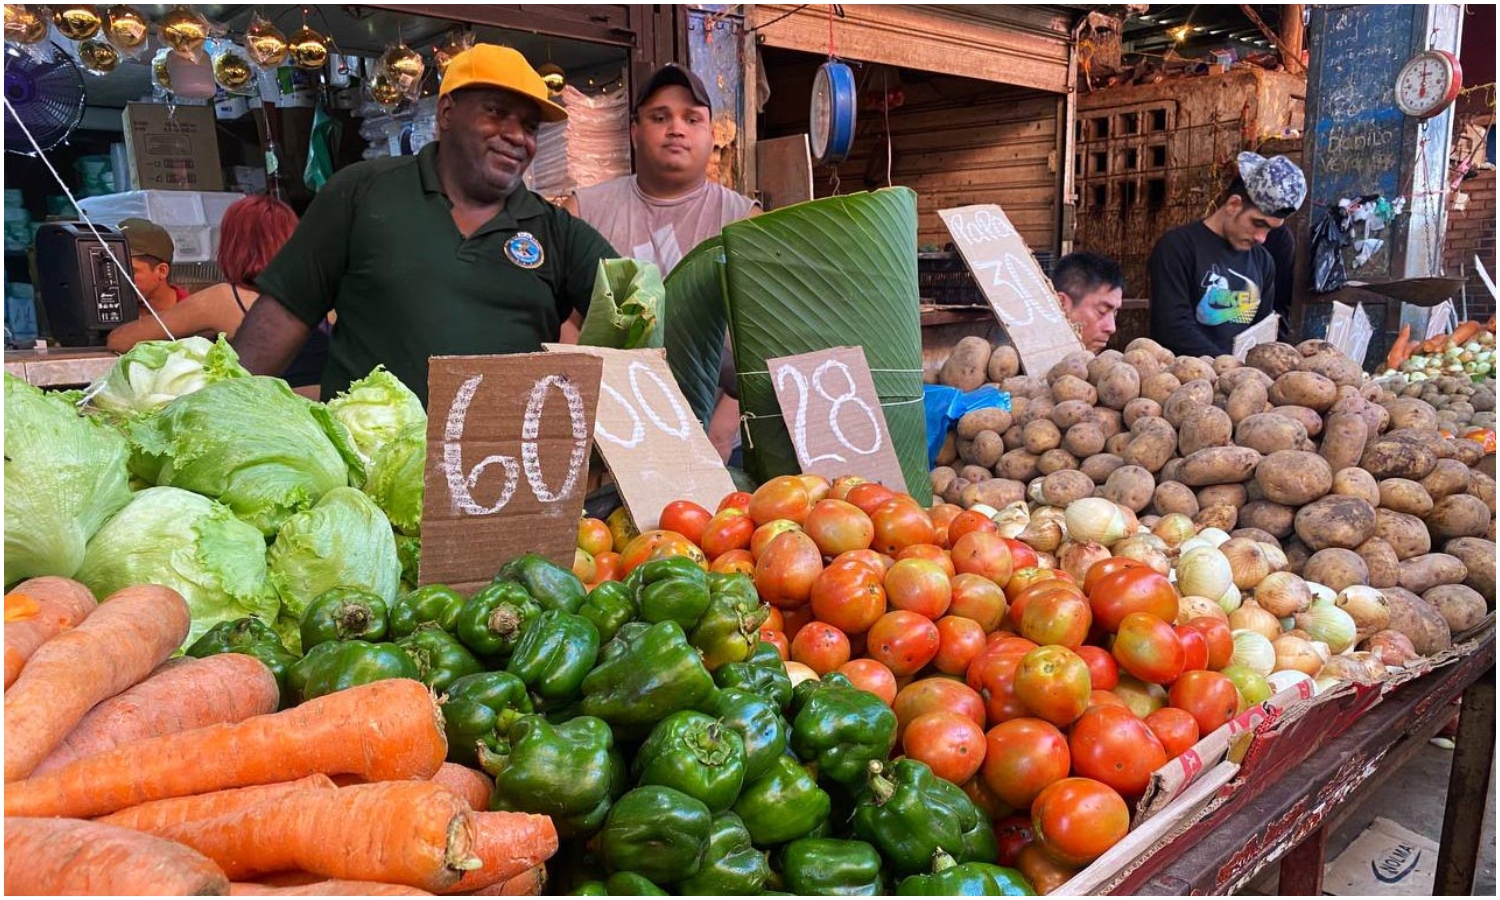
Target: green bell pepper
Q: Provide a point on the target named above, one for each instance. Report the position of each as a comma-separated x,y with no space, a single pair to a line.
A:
343,614
254,638
620,884
439,657
491,622
550,585
649,675
433,603
337,665
841,727
480,709
971,879
783,804
571,772
695,754
732,865
553,656
832,867
911,814
674,589
729,628
759,724
656,832
609,606
758,676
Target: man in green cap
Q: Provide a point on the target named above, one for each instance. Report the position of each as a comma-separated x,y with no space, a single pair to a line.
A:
151,252
443,253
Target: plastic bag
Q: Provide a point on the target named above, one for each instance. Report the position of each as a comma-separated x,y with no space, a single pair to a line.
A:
946,405
1330,237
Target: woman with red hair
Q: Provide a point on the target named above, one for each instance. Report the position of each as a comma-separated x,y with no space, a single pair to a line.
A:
252,231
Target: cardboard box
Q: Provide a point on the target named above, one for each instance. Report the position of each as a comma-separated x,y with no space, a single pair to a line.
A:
172,148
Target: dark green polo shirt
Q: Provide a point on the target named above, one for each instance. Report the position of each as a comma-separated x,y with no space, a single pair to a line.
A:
378,246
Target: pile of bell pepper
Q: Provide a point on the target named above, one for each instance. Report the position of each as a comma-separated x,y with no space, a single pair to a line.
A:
666,742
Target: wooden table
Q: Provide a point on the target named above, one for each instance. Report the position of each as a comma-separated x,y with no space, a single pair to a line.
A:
1288,816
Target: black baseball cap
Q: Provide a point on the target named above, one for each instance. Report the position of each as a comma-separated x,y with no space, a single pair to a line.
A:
668,75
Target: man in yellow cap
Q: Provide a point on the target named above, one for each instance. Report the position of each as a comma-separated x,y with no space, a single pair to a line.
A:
443,253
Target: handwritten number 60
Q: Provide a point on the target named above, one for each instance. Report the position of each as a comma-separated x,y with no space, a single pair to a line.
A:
461,484
848,395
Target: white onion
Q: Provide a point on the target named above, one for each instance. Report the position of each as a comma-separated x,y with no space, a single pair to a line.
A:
1250,617
1175,528
1323,621
1253,651
1231,600
1287,679
1247,562
1189,608
1283,594
1096,519
1297,655
1368,608
1205,572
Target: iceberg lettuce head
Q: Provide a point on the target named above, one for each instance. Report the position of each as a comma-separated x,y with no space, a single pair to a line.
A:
343,541
395,478
375,409
154,373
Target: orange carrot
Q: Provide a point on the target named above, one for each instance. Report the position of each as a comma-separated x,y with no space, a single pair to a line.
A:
59,604
115,647
1400,350
229,687
400,832
388,730
1465,332
508,843
527,884
470,784
330,887
158,815
69,856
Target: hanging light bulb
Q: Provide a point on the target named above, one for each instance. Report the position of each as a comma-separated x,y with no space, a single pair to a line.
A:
232,70
384,91
125,27
403,67
184,29
77,21
25,24
265,43
553,76
309,50
98,57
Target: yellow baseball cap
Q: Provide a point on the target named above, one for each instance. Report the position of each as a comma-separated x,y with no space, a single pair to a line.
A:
490,65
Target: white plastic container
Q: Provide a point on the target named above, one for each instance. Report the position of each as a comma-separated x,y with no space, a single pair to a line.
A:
190,217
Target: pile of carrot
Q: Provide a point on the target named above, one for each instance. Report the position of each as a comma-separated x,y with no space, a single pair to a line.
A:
1405,348
131,773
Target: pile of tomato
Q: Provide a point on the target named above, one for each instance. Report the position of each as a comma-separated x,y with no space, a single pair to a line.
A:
1028,689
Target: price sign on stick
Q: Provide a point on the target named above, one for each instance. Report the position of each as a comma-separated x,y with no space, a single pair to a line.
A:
648,436
1262,332
833,414
1007,273
507,461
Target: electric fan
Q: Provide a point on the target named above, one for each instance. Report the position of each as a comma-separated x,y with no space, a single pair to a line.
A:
47,97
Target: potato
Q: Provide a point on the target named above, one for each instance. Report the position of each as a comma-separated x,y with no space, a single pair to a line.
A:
1335,366
1206,426
948,453
1069,387
987,450
968,364
1483,487
1406,534
1192,368
1466,451
1448,476
1004,363
1140,407
1055,460
1336,568
1421,573
1069,413
1246,400
1038,409
1174,497
1405,496
1110,421
1409,412
1254,534
1311,421
1144,362
1478,557
1221,517
975,421
1307,389
1159,386
1344,438
1218,465
1275,359
1017,465
1172,471
1223,495
1353,482
1101,363
1098,466
1116,445
974,474
1294,477
1381,564
1147,345
1416,618
1131,487
1387,457
1040,435
1084,440
1232,381
1460,606
994,492
1459,515
1022,386
1013,437
1075,364
1269,517
1066,485
954,492
942,477
1314,346
1335,521
1297,555
1225,363
1118,385
1152,442
1268,433
1192,396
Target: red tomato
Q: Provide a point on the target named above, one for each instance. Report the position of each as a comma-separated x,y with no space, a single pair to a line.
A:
869,675
1013,833
1217,635
943,515
983,553
1106,698
763,535
931,553
1106,567
1052,682
1021,554
837,527
1041,870
731,561
1057,618
978,598
817,486
774,621
820,647
786,571
594,536
1131,590
686,518
968,521
783,497
726,531
868,496
927,695
920,586
848,596
1109,744
778,640
1077,819
839,489
1019,599
903,641
959,641
1148,648
900,524
949,742
984,798
607,566
739,500
1022,757
1175,728
1194,647
1210,698
1104,673
877,563
1025,577
993,675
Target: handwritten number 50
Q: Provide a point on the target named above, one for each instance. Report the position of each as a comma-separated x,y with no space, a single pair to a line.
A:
461,484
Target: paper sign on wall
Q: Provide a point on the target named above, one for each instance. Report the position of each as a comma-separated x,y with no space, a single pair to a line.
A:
508,442
1007,273
1262,332
648,436
833,415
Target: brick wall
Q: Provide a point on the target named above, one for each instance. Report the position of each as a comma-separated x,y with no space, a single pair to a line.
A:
1470,233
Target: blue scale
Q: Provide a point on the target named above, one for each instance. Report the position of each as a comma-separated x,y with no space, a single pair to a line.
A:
832,113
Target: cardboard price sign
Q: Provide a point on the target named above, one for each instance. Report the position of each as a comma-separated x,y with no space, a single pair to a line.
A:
507,461
1022,297
1262,332
833,415
649,438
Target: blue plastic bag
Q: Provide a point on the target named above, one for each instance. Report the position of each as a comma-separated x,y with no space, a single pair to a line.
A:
946,405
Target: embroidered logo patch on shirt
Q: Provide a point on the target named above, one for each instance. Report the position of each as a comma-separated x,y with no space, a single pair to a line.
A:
524,251
1221,305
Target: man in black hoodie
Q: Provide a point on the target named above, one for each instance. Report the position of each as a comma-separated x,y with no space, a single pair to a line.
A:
1214,278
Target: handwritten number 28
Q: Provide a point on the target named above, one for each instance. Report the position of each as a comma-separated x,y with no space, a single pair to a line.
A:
847,395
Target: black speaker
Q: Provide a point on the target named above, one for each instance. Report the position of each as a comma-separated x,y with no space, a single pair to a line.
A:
84,293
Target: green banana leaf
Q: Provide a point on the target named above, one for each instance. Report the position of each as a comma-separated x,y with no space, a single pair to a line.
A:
828,273
697,325
627,306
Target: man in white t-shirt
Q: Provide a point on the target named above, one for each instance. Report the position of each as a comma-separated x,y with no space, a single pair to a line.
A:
669,206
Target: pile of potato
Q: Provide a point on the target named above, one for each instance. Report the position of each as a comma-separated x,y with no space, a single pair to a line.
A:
1460,403
1296,446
